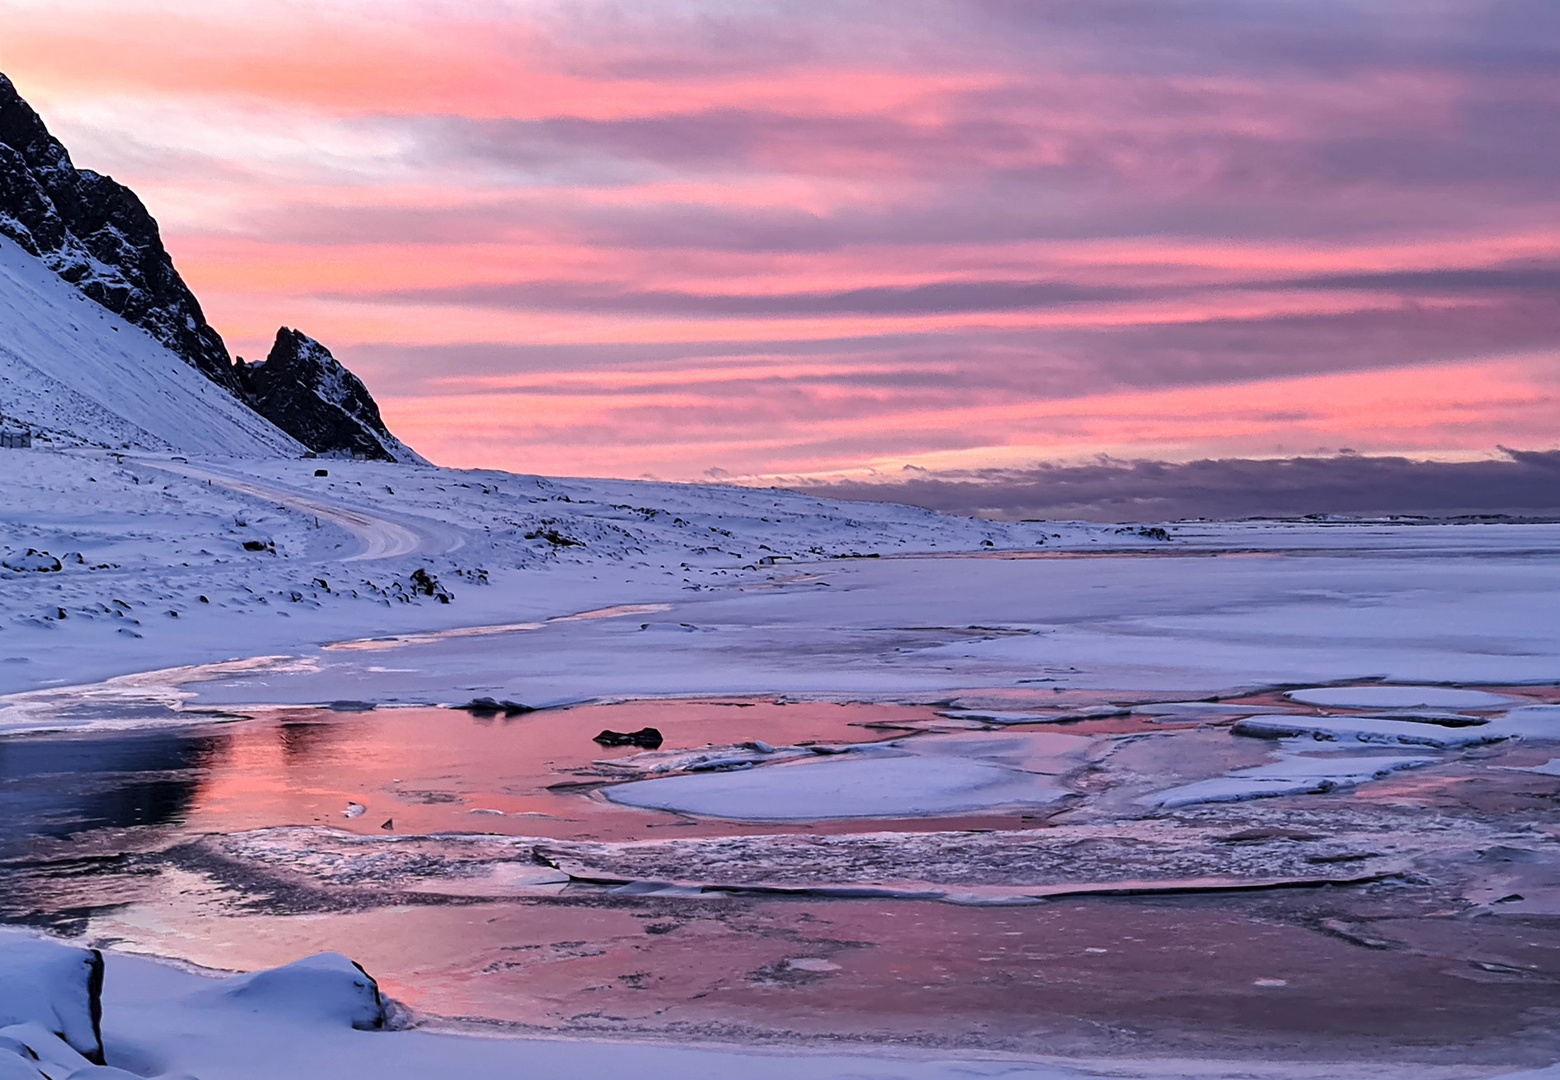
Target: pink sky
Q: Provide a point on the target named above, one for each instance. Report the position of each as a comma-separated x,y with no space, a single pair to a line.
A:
783,238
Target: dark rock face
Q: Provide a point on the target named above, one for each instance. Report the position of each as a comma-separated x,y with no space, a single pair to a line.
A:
302,389
98,236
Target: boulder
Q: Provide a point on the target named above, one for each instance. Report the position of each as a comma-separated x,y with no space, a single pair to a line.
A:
58,987
324,988
647,737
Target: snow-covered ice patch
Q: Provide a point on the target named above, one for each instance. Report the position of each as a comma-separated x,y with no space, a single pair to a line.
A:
1398,697
1534,723
1298,775
1368,729
859,786
1204,709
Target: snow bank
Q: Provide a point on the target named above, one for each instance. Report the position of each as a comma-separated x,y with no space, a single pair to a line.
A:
326,988
54,986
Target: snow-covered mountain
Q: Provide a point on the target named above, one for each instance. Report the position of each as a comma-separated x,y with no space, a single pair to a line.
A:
81,379
76,374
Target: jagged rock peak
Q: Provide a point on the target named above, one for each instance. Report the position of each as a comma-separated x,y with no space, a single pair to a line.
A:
97,235
302,389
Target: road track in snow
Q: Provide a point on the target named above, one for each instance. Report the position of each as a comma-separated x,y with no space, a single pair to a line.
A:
380,537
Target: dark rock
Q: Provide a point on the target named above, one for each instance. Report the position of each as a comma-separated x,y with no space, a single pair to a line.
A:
554,537
647,737
97,235
255,545
40,561
425,584
486,706
321,472
302,389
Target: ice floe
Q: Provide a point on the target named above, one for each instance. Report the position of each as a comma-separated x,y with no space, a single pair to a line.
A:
1297,775
1398,697
1534,723
876,785
1000,716
1202,711
1368,729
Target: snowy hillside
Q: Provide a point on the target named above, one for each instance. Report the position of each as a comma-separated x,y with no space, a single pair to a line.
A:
78,375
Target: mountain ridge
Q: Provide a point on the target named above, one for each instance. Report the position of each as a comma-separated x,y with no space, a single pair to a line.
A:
97,236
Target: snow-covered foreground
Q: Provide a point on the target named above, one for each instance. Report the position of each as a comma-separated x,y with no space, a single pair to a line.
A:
322,1018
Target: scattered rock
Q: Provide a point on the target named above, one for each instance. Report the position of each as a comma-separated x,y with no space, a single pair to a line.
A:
647,737
555,538
40,561
425,584
256,545
486,706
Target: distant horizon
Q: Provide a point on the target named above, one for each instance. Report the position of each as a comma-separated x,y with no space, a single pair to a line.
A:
963,250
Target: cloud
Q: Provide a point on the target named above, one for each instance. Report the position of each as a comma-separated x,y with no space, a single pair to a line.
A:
799,235
1524,483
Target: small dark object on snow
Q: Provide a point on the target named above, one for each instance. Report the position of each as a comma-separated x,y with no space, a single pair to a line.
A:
389,823
486,706
254,545
321,472
1154,533
647,737
428,585
555,538
40,561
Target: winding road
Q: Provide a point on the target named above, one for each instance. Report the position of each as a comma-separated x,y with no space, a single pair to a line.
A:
380,537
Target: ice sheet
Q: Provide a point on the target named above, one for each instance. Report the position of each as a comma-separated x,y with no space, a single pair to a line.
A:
1399,697
880,785
1298,775
1368,729
1534,723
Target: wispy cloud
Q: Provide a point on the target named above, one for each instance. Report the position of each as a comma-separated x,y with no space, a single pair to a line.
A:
790,236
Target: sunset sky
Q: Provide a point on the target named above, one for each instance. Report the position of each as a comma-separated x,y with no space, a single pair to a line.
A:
689,238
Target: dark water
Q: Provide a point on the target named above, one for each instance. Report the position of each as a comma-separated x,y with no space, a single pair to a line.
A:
54,787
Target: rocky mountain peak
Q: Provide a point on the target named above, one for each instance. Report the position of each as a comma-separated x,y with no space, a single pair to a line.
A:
304,390
97,235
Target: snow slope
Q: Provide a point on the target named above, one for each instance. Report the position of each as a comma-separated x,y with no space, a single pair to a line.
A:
78,375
